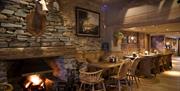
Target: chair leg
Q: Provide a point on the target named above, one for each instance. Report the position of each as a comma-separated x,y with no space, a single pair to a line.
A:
93,89
104,88
139,80
119,85
80,87
136,81
128,82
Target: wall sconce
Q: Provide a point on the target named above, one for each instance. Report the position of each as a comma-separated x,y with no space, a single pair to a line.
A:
146,52
132,38
167,43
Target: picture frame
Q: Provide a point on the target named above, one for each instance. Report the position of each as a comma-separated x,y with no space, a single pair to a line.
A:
132,39
87,23
125,40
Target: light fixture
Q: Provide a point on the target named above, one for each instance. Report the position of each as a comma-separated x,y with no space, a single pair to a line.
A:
146,52
167,43
132,37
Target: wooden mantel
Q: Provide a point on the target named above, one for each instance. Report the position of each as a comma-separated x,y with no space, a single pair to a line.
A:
35,52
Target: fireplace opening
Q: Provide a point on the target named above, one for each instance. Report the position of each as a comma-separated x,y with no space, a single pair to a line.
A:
37,82
36,74
18,68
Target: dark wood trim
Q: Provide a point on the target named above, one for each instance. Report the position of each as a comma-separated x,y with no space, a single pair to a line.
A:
36,52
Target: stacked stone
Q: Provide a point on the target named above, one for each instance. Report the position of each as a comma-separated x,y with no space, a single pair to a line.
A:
14,34
87,44
13,31
3,72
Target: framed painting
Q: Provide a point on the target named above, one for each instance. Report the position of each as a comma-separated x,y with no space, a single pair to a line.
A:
87,23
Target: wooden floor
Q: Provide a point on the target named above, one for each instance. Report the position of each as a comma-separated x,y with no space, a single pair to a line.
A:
166,81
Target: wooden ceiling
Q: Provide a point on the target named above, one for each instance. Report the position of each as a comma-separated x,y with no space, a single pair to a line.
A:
170,29
161,17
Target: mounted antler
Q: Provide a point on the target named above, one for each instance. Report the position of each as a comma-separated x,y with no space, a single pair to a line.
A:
36,20
43,4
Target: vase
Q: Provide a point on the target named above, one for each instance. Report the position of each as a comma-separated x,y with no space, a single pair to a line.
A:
117,41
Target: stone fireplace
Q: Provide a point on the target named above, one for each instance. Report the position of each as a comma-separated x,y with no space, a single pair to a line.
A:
50,62
23,54
20,50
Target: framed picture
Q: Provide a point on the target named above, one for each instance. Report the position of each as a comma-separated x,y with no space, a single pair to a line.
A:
87,22
125,40
132,39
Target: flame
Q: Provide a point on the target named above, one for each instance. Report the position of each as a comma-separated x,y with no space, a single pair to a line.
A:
35,79
27,85
42,85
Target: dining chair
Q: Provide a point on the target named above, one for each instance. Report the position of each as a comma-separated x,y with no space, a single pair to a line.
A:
169,61
6,87
122,74
156,62
163,63
91,78
132,70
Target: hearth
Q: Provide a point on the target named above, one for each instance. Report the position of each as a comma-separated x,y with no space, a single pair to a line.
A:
34,74
35,83
53,65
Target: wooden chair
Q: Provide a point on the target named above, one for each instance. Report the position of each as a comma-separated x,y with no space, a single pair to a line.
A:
122,74
156,69
91,78
169,61
6,87
132,70
163,63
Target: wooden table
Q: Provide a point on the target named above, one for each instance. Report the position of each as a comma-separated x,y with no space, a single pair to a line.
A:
108,68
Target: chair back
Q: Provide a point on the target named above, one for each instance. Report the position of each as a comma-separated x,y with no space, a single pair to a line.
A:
6,87
90,76
134,65
123,69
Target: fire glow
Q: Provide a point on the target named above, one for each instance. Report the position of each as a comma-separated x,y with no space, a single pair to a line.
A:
34,80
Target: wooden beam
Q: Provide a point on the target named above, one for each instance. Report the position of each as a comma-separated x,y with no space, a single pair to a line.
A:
35,52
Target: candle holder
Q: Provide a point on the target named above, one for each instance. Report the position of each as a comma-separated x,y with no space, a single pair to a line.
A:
146,53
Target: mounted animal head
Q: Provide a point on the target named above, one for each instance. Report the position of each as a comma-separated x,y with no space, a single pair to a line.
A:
41,6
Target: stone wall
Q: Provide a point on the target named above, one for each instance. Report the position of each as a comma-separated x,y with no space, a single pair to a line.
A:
60,28
3,71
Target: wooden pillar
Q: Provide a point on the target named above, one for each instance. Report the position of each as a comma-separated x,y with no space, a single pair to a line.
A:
179,47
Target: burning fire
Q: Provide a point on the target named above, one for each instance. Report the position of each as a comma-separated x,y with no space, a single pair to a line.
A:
34,80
